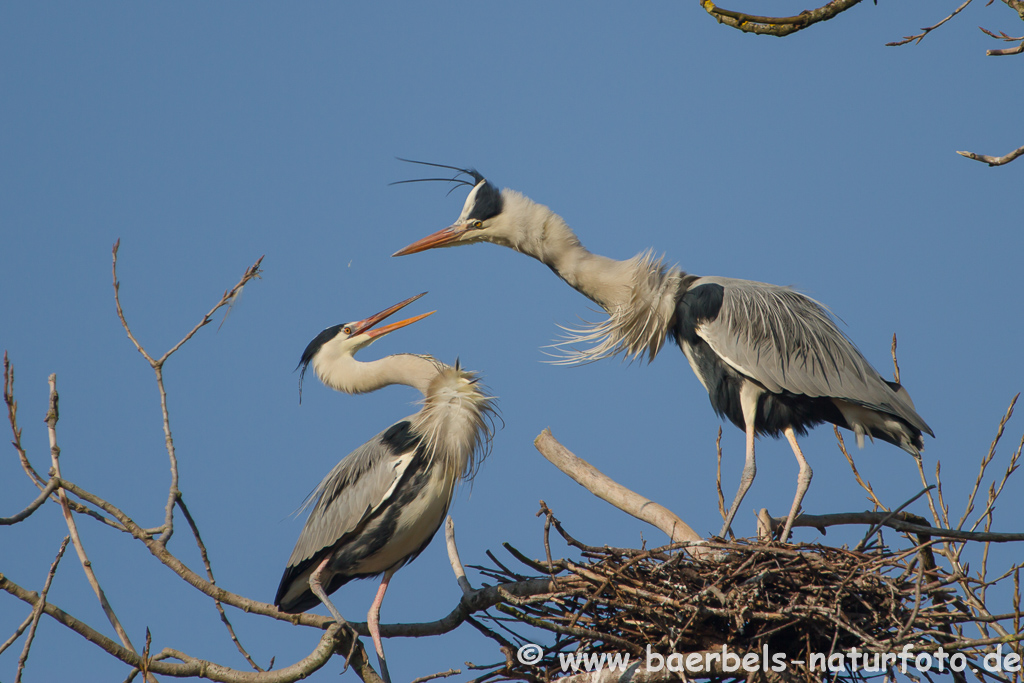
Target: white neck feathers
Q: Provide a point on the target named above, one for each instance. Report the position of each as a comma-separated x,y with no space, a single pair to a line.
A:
639,294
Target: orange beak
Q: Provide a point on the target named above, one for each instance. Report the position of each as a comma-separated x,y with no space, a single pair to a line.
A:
442,238
363,326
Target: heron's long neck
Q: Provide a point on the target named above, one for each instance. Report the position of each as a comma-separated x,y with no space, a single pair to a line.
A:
541,233
639,294
351,376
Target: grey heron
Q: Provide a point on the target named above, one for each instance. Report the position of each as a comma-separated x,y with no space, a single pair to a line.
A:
382,504
771,359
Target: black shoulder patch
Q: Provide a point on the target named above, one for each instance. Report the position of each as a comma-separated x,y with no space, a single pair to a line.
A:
400,437
488,203
698,305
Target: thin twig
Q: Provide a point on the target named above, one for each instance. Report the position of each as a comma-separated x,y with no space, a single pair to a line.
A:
226,300
925,31
863,484
32,507
718,476
17,633
985,461
52,416
209,574
442,674
38,609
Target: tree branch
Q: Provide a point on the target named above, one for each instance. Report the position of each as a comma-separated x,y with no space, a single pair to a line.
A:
777,26
995,161
52,415
901,522
38,609
602,486
33,506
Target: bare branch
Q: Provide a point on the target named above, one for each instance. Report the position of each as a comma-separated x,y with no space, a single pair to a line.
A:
863,484
52,415
442,674
776,26
38,609
589,477
453,557
925,31
1006,158
985,461
718,475
899,522
226,300
209,573
33,506
333,640
17,632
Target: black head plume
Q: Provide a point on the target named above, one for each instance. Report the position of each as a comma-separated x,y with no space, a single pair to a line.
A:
311,349
471,172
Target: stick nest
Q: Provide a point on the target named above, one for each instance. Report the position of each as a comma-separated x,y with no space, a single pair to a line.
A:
745,596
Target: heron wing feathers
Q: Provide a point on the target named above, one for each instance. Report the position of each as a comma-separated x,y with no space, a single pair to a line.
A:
355,489
789,343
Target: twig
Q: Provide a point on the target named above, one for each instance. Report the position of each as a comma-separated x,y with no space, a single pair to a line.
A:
52,416
925,31
157,365
17,633
1006,158
863,484
879,524
985,461
453,557
442,674
895,363
718,476
33,506
209,573
38,609
602,486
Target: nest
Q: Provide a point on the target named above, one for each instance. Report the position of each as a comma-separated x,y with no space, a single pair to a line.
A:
802,601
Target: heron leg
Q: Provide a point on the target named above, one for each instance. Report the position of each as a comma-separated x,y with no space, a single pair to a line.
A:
749,471
749,395
803,480
318,591
373,623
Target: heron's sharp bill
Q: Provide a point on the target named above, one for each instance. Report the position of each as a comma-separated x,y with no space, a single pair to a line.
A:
391,327
441,238
365,324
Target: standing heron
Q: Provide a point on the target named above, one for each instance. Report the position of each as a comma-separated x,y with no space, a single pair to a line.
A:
771,359
382,504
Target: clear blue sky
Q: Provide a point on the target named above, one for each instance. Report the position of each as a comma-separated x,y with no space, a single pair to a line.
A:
204,136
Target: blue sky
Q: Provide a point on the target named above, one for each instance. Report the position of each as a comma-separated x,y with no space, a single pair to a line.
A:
206,136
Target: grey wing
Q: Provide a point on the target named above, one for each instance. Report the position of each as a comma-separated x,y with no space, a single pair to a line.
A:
354,490
789,342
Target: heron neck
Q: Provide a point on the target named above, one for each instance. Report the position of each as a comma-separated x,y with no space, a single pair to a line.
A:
543,234
351,376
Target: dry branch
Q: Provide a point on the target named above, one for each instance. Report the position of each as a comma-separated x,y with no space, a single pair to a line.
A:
1006,158
589,477
776,26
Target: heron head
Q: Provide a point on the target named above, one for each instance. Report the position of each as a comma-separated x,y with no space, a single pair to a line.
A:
478,221
341,342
